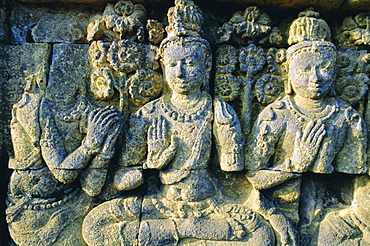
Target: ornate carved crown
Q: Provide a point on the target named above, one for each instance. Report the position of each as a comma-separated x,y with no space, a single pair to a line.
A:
309,33
185,25
185,19
309,27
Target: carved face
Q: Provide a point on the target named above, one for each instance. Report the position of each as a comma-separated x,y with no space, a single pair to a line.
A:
311,74
185,68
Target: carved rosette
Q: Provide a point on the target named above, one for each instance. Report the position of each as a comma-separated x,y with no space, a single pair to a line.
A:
227,86
125,56
119,60
102,83
352,81
144,86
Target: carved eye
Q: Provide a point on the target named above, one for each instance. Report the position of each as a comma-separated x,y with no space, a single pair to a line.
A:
189,63
305,68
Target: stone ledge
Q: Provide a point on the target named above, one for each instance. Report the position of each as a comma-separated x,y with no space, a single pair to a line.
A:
280,4
357,5
324,4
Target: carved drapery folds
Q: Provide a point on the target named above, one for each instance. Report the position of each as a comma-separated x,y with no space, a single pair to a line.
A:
176,140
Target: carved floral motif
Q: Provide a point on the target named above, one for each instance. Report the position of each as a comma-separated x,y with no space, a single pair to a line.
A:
145,85
355,30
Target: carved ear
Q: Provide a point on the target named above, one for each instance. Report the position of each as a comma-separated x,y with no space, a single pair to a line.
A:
288,87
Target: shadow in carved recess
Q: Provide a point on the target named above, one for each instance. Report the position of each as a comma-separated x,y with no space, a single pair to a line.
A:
349,226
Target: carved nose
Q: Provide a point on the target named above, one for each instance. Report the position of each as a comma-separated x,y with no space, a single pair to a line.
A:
314,76
179,71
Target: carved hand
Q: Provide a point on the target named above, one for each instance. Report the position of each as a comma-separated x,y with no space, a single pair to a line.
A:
161,150
99,122
110,140
306,146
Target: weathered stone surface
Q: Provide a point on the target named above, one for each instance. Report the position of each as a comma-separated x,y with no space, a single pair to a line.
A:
69,71
19,62
357,5
60,24
51,149
123,135
4,28
321,4
14,61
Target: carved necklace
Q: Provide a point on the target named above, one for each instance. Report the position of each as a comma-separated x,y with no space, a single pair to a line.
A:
52,204
324,115
181,116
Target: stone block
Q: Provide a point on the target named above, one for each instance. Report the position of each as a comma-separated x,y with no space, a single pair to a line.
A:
18,60
357,5
69,70
59,24
284,4
63,1
323,5
4,31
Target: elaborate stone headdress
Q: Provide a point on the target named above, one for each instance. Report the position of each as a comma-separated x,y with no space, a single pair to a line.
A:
185,25
308,33
185,28
185,19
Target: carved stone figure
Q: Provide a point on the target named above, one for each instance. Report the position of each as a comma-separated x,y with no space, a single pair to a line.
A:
153,146
173,135
160,138
310,130
56,167
349,226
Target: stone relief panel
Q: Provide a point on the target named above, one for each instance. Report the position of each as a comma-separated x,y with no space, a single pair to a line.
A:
155,135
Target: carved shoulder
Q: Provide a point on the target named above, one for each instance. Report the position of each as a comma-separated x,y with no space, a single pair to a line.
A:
273,116
145,112
353,118
136,146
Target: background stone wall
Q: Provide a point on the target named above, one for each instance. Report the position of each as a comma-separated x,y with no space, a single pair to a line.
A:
51,35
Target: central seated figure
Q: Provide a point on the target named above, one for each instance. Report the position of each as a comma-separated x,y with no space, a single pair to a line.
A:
174,134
